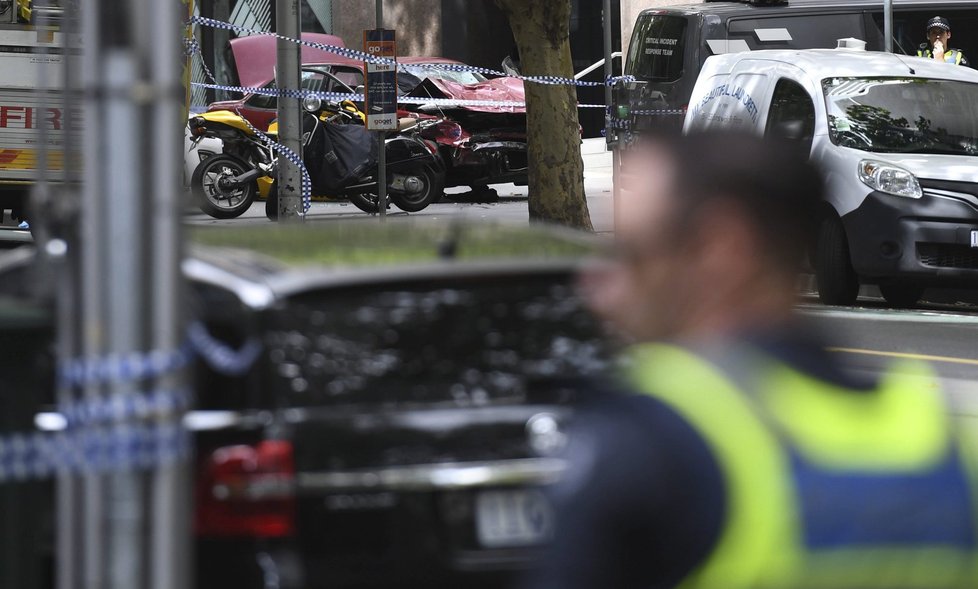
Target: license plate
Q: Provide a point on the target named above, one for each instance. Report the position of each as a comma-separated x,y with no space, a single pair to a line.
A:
974,239
513,518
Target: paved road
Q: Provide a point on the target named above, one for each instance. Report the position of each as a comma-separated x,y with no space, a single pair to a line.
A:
511,207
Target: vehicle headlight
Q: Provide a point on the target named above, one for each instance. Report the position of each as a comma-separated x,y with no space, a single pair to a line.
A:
890,179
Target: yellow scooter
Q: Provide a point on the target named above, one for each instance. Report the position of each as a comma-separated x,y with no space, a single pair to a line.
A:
226,185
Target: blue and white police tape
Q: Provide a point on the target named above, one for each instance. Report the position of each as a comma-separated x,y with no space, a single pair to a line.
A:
121,368
340,96
124,368
120,408
221,357
123,447
373,59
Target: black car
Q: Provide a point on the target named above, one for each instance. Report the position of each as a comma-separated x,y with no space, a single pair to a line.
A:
401,418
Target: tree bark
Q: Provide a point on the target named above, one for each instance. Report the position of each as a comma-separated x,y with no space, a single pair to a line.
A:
556,172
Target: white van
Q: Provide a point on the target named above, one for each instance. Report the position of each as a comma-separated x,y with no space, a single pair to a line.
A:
898,139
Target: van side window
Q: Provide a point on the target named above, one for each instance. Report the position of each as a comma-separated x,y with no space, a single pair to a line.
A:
657,48
806,31
792,113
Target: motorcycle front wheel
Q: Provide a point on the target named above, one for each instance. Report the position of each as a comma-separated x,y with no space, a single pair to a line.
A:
213,196
431,191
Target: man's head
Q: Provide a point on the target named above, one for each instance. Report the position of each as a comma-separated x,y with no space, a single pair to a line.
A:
938,29
711,231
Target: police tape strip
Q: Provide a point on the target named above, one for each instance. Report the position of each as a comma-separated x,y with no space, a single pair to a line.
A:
136,366
123,447
373,59
340,96
120,408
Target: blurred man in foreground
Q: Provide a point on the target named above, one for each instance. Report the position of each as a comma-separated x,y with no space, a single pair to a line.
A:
738,453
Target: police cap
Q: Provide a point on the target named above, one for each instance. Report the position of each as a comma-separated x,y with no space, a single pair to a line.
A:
939,22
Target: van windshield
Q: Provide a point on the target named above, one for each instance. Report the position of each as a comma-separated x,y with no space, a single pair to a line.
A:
904,115
656,52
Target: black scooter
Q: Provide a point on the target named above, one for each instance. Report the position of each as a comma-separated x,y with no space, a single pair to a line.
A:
342,161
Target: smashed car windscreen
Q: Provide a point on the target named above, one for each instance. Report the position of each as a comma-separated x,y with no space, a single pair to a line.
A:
466,343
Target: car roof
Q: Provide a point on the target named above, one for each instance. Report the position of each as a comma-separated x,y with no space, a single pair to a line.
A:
264,263
744,8
830,63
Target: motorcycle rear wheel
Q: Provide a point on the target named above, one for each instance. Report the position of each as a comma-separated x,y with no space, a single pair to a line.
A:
434,188
365,202
217,201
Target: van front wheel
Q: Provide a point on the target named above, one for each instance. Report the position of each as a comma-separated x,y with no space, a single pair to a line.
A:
837,280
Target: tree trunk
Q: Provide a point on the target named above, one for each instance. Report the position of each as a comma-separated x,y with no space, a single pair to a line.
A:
556,175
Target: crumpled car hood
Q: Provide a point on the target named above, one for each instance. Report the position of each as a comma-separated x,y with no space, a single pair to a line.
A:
501,89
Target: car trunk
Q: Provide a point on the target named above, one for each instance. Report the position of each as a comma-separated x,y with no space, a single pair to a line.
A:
409,411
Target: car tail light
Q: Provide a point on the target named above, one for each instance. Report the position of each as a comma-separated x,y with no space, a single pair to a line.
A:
247,491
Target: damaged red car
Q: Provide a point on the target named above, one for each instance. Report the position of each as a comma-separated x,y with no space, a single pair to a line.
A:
481,144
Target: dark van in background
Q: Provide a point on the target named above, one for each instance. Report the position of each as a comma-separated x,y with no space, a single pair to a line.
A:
669,45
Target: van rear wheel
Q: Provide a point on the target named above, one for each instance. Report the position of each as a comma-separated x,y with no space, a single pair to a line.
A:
901,294
837,280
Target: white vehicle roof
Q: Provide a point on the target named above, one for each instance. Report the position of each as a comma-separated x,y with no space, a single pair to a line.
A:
842,63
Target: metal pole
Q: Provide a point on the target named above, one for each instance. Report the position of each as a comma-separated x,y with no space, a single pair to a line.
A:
611,139
90,322
168,494
289,113
134,522
68,272
381,152
888,25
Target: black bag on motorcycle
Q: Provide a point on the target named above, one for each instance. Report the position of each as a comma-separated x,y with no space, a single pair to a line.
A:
345,153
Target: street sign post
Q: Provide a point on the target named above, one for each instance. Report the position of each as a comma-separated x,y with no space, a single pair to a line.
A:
381,85
381,97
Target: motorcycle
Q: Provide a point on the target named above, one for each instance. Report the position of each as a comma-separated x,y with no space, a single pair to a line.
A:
342,161
225,185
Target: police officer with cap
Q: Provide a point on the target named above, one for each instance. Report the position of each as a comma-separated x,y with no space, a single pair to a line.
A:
938,34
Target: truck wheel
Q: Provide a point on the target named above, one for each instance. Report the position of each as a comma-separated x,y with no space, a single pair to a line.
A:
837,280
215,199
901,294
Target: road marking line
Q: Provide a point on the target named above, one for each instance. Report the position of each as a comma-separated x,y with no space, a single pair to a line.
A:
907,355
901,315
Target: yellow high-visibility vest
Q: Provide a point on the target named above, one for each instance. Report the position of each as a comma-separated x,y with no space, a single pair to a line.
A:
827,487
950,56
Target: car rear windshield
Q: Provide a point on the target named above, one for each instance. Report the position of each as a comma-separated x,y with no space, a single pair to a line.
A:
903,115
657,48
468,342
